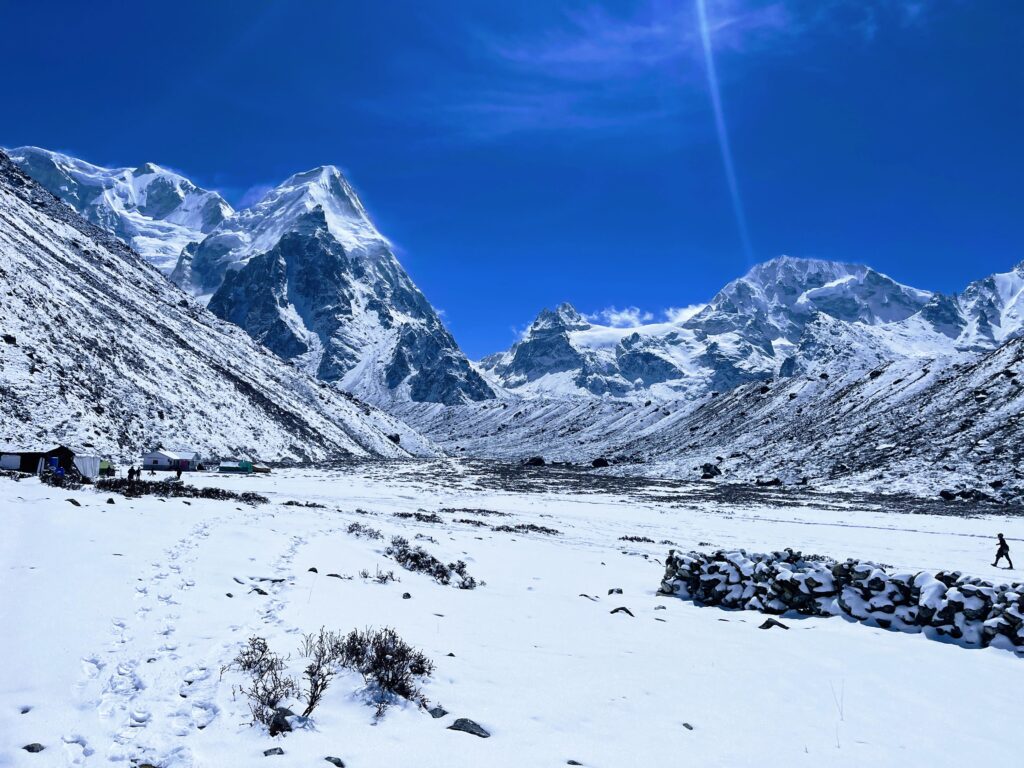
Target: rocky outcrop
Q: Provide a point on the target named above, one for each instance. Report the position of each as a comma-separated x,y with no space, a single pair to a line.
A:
305,273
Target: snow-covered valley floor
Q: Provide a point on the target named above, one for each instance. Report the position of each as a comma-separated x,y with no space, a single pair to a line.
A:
117,622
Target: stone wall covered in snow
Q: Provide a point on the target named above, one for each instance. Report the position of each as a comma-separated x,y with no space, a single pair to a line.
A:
947,605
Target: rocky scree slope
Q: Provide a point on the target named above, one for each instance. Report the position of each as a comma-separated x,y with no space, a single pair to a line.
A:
914,425
98,350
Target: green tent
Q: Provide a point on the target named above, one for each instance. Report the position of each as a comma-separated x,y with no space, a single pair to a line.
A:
237,467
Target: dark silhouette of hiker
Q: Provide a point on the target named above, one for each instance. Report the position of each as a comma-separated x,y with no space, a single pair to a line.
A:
178,473
132,474
1003,551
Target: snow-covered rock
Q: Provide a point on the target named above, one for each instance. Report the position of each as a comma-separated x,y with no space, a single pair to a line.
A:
305,273
156,211
100,350
946,605
752,329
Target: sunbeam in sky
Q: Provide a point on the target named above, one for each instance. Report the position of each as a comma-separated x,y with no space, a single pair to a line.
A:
723,133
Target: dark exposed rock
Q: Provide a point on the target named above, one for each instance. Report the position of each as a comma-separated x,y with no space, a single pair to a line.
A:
336,761
436,712
600,462
622,609
769,623
279,722
709,471
273,751
466,725
34,747
535,461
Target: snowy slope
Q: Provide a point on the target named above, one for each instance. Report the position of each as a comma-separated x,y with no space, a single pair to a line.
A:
305,272
859,417
100,350
156,211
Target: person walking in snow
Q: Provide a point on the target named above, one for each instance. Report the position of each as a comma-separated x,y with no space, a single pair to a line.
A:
1003,551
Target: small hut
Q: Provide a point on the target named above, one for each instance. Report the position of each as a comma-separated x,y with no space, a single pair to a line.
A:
33,460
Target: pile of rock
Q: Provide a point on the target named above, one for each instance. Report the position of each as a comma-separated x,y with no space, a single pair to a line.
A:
969,611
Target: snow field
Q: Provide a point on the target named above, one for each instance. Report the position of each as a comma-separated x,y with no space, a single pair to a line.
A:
117,623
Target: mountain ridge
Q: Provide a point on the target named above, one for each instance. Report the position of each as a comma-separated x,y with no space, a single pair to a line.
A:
101,351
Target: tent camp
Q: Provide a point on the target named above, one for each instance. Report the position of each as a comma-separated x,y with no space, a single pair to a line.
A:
35,459
236,466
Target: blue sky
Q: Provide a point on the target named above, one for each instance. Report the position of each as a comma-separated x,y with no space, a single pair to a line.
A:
523,154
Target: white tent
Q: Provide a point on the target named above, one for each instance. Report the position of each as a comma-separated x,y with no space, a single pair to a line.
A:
89,466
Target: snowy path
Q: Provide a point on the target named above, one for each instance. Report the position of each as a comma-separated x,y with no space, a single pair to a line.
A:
117,622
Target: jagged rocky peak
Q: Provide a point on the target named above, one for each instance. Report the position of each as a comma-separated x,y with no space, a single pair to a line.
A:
154,210
993,309
305,272
308,200
563,318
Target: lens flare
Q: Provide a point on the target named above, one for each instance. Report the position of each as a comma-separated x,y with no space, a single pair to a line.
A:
723,134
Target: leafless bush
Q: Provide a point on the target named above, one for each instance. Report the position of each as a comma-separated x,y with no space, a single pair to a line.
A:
422,517
318,649
381,577
474,511
418,559
268,685
364,531
527,528
637,539
387,663
389,666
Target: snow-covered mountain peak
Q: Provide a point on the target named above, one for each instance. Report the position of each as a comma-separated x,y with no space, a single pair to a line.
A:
778,298
156,211
326,187
320,197
564,317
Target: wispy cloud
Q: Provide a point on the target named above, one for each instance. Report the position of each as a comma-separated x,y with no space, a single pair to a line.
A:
254,194
682,314
603,69
627,317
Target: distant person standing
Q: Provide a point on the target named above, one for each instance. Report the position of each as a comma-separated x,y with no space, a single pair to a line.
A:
1003,551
